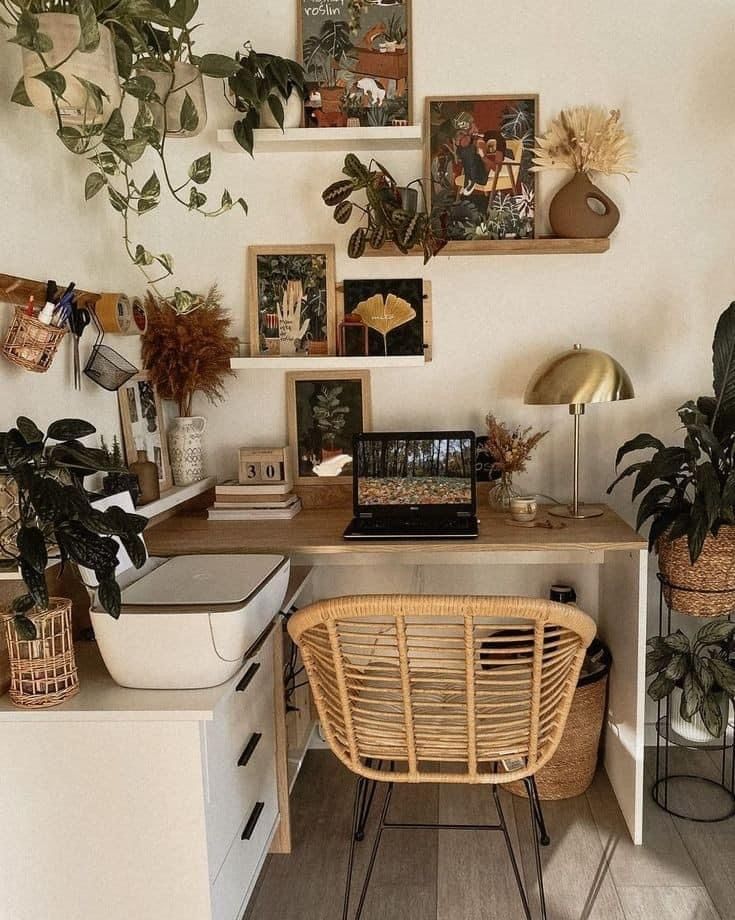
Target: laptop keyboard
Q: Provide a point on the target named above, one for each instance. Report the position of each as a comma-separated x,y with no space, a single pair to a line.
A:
398,528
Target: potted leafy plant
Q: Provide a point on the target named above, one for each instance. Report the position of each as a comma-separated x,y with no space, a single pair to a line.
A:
384,217
57,522
689,491
187,348
119,478
324,55
269,91
331,417
698,675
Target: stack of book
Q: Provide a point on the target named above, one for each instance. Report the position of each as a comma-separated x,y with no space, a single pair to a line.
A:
236,502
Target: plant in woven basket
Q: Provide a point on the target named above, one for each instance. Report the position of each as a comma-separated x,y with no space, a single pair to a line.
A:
56,518
188,352
700,667
384,219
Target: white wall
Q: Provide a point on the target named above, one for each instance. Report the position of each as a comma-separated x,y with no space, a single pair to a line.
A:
651,301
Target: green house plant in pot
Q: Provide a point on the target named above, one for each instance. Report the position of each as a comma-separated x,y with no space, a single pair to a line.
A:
325,54
331,417
698,676
118,478
187,348
57,522
688,491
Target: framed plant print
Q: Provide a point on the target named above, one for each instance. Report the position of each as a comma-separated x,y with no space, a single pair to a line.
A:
142,425
357,57
479,156
391,317
292,300
325,410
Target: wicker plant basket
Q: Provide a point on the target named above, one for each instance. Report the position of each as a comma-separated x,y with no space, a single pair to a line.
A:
30,343
572,768
707,588
43,671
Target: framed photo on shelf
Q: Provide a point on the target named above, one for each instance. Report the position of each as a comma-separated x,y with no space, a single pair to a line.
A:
325,409
357,58
395,311
479,154
292,300
142,425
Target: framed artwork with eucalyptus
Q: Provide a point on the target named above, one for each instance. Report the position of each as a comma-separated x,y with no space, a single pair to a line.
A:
479,155
325,410
292,300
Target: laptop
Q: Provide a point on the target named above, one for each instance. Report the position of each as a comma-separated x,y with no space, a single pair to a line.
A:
414,486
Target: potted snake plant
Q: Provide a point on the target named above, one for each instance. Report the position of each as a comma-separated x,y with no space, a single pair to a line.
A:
688,491
57,523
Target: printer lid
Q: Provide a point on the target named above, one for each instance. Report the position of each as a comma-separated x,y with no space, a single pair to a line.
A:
202,581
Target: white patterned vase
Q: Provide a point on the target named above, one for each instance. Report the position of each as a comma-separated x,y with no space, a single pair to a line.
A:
186,449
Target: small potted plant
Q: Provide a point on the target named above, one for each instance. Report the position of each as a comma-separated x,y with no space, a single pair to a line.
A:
57,522
119,478
331,417
698,675
353,107
688,491
187,348
269,92
325,54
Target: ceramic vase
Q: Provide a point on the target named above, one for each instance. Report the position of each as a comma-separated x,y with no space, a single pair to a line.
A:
695,730
571,215
293,109
186,449
98,67
185,78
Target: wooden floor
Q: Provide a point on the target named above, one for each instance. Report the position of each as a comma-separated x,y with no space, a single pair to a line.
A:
685,871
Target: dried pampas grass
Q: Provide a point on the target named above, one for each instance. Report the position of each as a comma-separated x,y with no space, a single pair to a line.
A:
585,139
188,353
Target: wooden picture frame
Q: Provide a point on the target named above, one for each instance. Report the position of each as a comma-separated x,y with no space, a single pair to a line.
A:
478,153
382,65
276,301
142,422
310,442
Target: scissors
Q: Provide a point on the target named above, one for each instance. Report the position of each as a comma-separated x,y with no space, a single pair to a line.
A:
79,319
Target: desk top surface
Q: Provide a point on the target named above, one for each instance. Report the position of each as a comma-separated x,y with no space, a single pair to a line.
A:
319,532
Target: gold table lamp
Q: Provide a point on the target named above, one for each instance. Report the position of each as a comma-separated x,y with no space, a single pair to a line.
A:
575,378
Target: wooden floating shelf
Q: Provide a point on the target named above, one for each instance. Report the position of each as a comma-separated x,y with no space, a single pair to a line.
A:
272,140
545,245
17,291
327,363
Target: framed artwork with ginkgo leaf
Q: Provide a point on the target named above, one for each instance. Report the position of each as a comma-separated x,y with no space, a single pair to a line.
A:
396,313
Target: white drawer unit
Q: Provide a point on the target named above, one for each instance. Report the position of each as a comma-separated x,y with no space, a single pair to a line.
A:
140,803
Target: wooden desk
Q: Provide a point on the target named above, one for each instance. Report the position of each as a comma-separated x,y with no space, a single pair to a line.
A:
603,557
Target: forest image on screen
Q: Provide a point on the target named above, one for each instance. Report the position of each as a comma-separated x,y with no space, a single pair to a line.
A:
403,471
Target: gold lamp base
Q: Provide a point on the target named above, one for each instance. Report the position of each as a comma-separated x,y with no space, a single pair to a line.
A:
583,511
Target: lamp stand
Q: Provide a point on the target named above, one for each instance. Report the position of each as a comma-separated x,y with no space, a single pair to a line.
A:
576,509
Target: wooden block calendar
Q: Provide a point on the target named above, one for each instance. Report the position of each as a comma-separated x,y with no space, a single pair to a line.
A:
265,467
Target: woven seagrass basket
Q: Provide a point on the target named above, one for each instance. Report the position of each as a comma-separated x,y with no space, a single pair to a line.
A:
43,671
30,343
707,588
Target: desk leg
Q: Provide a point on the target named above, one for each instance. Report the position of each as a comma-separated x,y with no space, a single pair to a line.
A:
622,626
282,838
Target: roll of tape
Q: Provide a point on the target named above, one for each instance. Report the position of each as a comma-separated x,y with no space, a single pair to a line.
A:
115,314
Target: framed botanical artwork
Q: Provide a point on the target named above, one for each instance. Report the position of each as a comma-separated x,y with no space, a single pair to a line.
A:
142,425
479,154
292,300
391,317
357,57
325,410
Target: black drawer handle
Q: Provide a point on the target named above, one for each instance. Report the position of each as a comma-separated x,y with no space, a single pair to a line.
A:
252,821
249,749
248,677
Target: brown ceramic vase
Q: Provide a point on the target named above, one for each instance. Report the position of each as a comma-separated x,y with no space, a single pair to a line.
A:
571,215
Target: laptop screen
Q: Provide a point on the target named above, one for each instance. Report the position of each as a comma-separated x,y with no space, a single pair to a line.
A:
415,472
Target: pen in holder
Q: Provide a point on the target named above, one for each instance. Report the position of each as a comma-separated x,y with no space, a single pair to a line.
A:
32,344
105,366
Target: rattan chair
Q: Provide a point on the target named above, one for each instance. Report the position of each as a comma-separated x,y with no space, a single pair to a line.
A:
479,687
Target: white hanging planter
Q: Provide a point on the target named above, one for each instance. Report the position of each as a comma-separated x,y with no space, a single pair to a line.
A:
695,731
98,67
293,109
173,86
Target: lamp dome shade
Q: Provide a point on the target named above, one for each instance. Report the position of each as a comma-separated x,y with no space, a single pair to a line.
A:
578,376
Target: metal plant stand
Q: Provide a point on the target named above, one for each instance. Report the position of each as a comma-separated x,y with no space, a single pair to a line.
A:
720,791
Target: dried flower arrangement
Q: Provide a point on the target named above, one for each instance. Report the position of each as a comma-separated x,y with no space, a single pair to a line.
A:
587,139
188,352
510,448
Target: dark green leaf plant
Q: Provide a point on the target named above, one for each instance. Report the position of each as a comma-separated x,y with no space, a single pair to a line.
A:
57,521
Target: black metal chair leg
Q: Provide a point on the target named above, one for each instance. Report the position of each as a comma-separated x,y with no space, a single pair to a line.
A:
509,845
366,802
374,852
535,833
359,795
545,839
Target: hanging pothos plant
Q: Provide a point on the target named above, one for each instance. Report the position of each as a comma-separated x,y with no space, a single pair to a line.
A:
148,36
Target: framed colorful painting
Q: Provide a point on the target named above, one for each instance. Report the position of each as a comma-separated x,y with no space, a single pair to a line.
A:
479,154
141,419
357,57
325,410
384,317
292,301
